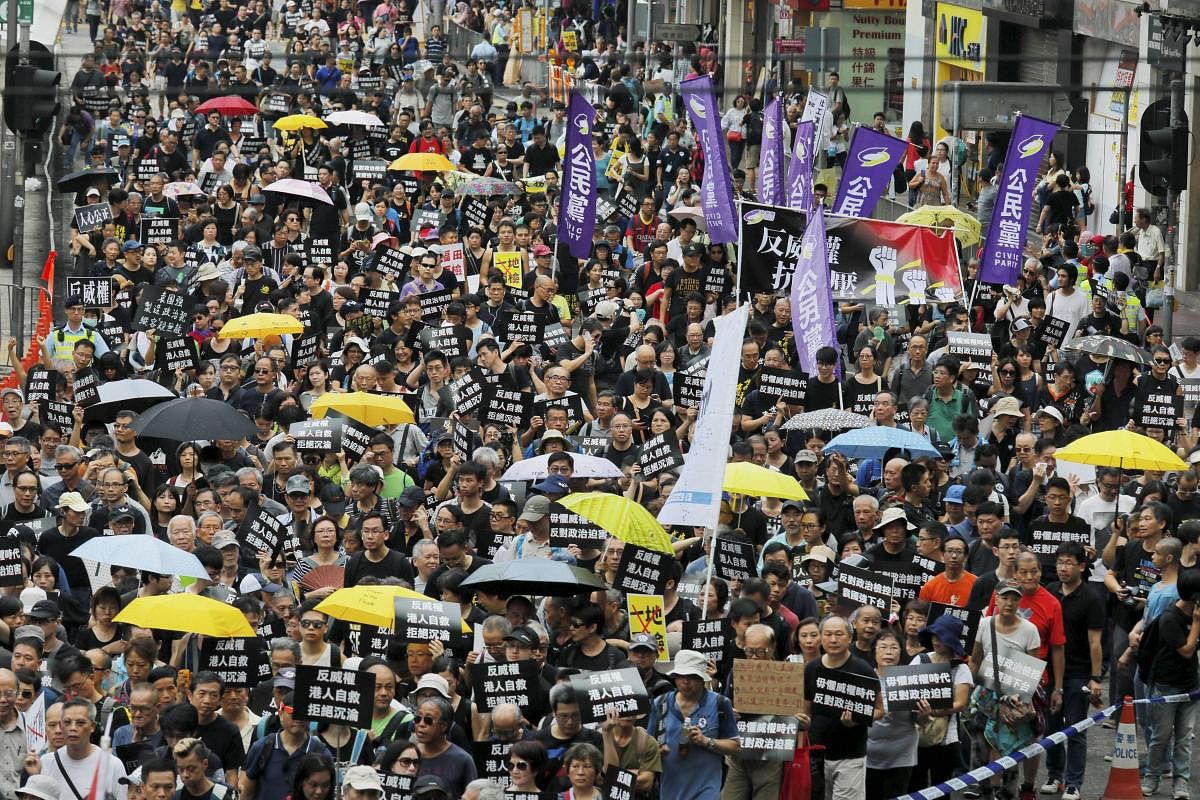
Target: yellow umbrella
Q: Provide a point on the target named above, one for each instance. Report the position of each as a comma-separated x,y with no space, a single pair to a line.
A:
255,326
370,605
620,516
369,409
965,227
422,162
186,613
1122,449
295,122
751,480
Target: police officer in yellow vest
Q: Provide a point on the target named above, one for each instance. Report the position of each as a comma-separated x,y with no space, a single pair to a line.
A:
60,344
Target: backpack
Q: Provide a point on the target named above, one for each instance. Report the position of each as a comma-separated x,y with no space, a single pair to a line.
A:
753,123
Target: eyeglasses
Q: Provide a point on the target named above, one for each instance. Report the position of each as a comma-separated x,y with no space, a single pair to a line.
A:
312,623
1007,372
261,371
25,694
499,515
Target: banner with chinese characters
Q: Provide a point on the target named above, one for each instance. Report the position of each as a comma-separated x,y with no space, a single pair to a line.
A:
870,162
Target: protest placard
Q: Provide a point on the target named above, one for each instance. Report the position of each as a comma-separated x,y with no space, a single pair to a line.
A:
568,528
975,348
56,413
317,435
508,682
369,640
454,341
646,616
620,690
158,230
734,560
396,787
463,439
688,384
1020,673
767,687
620,784
426,620
166,311
263,531
39,385
1157,410
771,737
11,562
507,407
318,251
356,438
641,571
866,587
968,617
591,445
87,387
1052,331
522,326
392,263
147,168
848,692
433,305
787,385
454,261
904,686
707,637
176,352
509,265
660,454
92,217
554,336
304,350
475,211
96,290
375,302
468,391
369,169
426,218
337,696
1045,536
241,661
491,761
907,579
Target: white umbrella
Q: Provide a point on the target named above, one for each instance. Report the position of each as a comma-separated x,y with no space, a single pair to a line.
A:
586,466
131,394
306,190
694,213
143,552
182,189
353,117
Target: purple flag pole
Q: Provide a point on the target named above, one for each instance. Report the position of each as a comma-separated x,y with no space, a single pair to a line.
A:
770,164
800,171
812,309
716,190
577,204
870,161
1003,250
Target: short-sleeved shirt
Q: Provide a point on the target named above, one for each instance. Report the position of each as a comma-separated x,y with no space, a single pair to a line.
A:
1045,612
840,741
696,775
273,768
1082,611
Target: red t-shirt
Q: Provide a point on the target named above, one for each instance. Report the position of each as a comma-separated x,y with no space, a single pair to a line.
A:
1045,612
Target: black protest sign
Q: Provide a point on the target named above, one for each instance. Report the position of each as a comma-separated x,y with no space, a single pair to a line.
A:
454,341
969,618
59,414
241,661
688,385
907,579
591,445
975,348
734,560
600,692
317,435
1157,410
770,737
488,543
620,784
508,683
475,211
1052,331
87,387
304,350
93,217
554,335
627,204
523,326
39,384
568,528
433,304
361,149
165,311
412,186
392,263
369,169
395,787
572,404
369,640
147,168
491,761
1191,397
707,637
865,587
376,302
604,208
1045,536
11,562
464,440
318,251
590,298
336,696
428,218
847,692
507,407
782,384
262,531
177,353
277,103
660,454
113,332
356,438
158,230
904,686
270,629
641,571
716,279
469,390
1020,673
426,620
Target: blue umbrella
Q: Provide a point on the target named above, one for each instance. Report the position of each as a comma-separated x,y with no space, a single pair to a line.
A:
142,552
875,441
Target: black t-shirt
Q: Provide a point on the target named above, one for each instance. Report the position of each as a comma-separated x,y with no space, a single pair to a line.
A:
1133,567
540,160
52,543
392,565
557,748
1170,668
223,738
1062,205
839,740
1045,532
1083,611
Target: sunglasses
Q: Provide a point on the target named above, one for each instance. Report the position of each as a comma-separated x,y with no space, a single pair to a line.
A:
515,765
405,761
1162,361
427,720
311,623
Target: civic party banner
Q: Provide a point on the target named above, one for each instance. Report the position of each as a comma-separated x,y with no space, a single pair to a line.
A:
887,263
800,169
870,162
812,304
770,163
716,190
1003,250
577,206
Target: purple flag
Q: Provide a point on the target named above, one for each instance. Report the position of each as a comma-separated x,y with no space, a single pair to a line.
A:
1003,250
770,163
716,191
800,171
577,206
870,162
812,309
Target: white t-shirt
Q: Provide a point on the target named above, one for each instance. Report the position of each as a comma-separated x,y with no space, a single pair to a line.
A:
1098,512
1025,638
1070,308
81,772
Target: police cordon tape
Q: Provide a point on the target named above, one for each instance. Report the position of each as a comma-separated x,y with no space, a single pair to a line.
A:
993,768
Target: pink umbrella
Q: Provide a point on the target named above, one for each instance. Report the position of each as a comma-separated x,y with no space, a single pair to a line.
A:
306,190
183,189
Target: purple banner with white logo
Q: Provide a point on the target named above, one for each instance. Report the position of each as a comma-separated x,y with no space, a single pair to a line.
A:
770,162
811,299
870,162
577,206
1003,250
716,191
800,171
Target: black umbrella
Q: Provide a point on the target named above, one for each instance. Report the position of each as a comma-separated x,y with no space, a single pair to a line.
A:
78,181
534,576
189,418
131,394
1109,347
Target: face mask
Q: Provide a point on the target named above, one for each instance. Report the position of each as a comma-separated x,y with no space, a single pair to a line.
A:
88,322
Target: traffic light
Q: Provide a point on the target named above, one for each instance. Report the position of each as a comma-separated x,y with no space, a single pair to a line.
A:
1164,150
31,92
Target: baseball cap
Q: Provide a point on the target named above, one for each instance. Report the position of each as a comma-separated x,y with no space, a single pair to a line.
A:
132,244
1021,324
411,497
362,778
524,636
1008,586
121,512
435,682
362,212
30,597
12,390
1051,411
793,504
536,508
223,539
552,484
428,785
645,640
252,253
285,679
93,192
44,609
954,494
605,309
255,582
693,250
29,632
807,456
132,779
541,250
73,501
298,484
